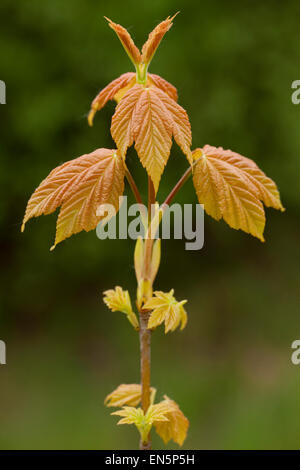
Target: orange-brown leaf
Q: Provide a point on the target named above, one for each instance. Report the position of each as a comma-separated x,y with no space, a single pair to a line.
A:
122,119
153,41
265,188
126,40
149,117
165,86
126,394
177,425
119,87
152,133
232,187
181,127
110,92
79,187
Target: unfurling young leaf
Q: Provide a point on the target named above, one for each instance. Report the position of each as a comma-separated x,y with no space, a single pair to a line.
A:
165,308
142,421
232,187
79,186
177,425
153,41
127,42
150,46
127,394
155,259
118,300
166,416
139,259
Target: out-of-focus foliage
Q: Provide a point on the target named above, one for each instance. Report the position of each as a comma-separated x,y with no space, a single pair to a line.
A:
233,64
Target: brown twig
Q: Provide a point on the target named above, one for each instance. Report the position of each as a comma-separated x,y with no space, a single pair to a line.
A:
145,351
145,334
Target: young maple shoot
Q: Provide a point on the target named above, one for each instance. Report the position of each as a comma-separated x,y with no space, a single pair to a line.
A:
230,186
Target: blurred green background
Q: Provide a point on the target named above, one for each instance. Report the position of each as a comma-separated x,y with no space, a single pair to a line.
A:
230,370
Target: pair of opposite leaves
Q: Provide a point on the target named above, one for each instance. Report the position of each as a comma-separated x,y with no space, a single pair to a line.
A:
229,185
166,416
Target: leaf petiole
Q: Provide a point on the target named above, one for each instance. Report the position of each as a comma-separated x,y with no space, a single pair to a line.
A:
179,184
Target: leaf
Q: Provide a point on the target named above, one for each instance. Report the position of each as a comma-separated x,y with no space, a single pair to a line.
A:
154,39
143,422
130,415
149,117
169,421
157,413
163,85
150,46
127,42
232,187
79,187
181,127
118,300
152,133
139,117
165,308
110,92
121,121
227,193
177,425
116,89
126,394
265,189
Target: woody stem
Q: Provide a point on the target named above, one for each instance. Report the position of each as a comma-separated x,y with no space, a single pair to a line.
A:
145,334
145,352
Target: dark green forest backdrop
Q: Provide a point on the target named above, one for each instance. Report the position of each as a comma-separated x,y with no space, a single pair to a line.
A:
230,370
